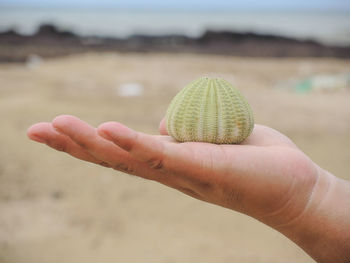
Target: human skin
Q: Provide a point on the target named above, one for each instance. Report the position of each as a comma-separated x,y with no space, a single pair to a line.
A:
266,177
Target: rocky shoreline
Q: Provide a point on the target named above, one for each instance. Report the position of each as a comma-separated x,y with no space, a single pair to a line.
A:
48,41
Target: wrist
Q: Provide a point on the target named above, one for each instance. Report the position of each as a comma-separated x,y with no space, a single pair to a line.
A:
323,228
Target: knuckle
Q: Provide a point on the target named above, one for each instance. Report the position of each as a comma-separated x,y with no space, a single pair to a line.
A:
233,197
155,163
122,167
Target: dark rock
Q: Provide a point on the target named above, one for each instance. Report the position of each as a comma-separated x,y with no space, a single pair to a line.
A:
48,30
49,41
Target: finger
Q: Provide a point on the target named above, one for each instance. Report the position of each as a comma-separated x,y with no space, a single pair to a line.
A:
157,153
45,133
172,159
168,157
142,146
162,127
86,137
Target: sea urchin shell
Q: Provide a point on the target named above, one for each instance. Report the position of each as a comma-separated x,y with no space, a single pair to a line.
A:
209,110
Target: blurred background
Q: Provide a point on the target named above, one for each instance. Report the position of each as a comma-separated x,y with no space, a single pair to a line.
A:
124,61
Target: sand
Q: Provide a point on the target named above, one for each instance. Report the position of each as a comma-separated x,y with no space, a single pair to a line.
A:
57,209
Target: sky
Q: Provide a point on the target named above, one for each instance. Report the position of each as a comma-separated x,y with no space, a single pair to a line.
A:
193,4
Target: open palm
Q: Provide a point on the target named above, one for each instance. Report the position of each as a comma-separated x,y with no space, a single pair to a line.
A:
266,176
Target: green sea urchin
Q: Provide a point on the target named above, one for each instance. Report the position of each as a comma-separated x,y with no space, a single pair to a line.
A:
209,110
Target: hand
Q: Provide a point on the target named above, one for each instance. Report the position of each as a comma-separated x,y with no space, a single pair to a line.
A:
266,177
262,177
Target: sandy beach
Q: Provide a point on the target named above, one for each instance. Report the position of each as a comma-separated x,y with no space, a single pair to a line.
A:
57,209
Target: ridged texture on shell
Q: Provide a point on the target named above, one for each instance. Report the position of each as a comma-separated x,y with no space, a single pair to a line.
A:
209,110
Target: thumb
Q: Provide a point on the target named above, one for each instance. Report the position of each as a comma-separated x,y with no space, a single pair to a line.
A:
162,127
